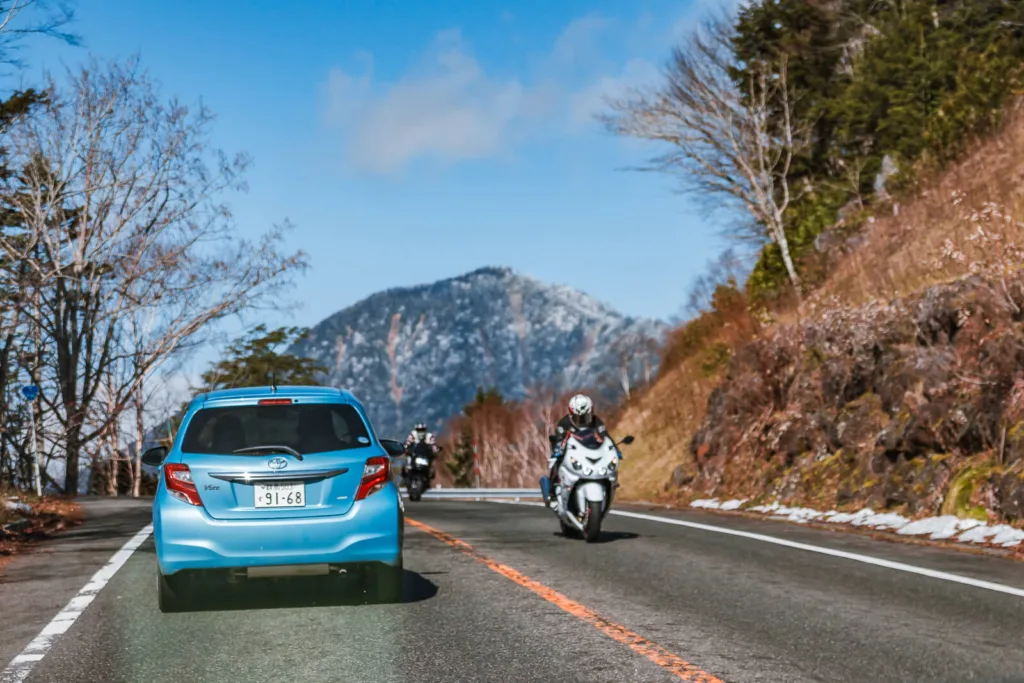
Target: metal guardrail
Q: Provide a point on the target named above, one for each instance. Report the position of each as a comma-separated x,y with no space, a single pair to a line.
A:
476,494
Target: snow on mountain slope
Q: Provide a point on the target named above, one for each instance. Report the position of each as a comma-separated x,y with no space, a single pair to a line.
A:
419,353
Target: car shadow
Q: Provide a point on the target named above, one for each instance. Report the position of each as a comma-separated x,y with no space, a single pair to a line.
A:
304,592
605,537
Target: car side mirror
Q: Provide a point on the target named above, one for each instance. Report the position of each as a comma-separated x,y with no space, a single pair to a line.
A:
393,448
154,457
628,439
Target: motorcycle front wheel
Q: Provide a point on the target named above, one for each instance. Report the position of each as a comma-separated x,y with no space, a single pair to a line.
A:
592,523
415,489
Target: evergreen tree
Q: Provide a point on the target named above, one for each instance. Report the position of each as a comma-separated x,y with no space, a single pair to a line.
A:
461,462
912,80
483,398
254,360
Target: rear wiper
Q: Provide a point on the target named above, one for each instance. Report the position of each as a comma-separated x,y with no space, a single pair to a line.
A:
272,449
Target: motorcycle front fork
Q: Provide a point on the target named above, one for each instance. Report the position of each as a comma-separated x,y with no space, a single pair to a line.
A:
555,493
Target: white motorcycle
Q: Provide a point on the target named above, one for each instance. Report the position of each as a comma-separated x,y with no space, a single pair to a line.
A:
587,481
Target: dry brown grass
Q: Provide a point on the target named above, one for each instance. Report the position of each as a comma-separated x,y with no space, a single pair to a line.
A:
901,251
663,420
917,243
49,516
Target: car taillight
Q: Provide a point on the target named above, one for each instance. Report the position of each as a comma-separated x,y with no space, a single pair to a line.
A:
274,402
178,480
376,474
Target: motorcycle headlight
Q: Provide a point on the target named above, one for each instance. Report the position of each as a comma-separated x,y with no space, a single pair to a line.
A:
603,471
588,471
421,461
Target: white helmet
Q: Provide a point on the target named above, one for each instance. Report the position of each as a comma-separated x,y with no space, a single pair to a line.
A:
580,405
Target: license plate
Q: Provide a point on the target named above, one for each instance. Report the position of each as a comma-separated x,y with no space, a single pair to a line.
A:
280,495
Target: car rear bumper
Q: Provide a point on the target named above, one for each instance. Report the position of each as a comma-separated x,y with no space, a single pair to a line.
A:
187,538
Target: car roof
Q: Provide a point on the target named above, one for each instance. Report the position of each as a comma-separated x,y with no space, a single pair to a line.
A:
312,392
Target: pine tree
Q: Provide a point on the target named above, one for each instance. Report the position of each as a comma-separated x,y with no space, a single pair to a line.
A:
254,361
912,81
461,462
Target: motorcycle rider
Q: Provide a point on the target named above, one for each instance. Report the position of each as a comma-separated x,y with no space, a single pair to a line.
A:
581,416
420,434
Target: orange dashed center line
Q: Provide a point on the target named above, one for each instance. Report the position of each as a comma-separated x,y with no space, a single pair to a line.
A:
652,651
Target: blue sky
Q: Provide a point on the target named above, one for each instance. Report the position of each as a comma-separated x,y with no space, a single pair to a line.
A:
411,141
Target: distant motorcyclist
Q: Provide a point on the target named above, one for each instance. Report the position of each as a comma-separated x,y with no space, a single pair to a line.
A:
581,416
420,434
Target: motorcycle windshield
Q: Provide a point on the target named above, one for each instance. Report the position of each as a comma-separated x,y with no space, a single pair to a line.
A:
589,438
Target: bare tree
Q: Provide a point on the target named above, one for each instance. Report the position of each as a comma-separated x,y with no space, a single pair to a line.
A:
109,447
23,19
139,405
634,353
127,239
727,142
511,438
20,20
728,268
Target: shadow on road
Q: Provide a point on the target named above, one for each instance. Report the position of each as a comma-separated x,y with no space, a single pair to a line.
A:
303,592
605,537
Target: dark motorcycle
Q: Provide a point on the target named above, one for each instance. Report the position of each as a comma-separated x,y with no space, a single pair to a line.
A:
419,469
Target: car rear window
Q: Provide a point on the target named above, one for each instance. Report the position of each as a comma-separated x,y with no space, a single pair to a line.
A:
308,428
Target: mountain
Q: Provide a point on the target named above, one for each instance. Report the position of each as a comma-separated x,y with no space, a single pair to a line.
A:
419,353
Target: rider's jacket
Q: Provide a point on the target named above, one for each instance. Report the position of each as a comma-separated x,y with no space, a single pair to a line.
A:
566,426
428,439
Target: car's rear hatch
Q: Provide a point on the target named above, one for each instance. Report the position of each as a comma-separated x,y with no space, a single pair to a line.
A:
309,461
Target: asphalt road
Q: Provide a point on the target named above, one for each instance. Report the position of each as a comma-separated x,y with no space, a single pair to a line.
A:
493,593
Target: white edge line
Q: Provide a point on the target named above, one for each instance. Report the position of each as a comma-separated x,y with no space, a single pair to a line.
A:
866,559
22,664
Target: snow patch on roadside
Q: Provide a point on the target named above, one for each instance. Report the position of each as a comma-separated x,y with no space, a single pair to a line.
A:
713,504
937,528
16,506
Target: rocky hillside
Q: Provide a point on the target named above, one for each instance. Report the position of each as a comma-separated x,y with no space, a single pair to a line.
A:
897,385
915,406
419,353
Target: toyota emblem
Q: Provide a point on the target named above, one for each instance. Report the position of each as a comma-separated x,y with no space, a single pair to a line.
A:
277,463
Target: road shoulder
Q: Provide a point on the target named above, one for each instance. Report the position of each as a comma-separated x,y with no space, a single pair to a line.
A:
945,557
37,585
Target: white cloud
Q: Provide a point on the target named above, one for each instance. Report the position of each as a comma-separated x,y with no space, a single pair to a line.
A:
447,108
697,11
579,39
587,103
345,91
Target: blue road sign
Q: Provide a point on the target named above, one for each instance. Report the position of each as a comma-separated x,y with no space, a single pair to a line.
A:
30,391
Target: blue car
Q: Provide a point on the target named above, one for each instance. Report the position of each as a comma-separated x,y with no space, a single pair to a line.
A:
274,482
